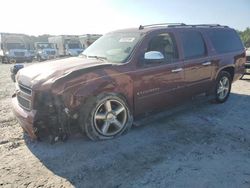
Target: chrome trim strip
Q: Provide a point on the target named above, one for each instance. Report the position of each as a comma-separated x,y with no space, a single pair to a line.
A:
29,108
25,87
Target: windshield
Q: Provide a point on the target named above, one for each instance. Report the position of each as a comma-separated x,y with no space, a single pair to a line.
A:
11,46
74,46
114,47
45,46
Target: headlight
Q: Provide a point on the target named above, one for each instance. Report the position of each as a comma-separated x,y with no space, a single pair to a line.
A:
44,101
7,53
42,53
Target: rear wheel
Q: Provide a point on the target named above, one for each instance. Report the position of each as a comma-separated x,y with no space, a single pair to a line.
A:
223,87
105,117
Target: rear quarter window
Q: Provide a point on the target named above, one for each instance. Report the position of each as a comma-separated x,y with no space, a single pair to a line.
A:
225,41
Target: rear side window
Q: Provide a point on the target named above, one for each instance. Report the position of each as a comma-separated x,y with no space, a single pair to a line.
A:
225,41
193,44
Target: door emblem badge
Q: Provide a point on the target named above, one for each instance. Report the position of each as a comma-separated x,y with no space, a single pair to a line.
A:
149,91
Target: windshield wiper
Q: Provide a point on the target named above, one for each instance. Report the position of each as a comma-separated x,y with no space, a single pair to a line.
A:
83,55
97,57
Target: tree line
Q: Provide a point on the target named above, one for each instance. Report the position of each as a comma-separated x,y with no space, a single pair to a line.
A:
245,37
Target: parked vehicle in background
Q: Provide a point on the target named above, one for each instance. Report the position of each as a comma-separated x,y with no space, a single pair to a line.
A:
126,74
32,52
15,48
247,66
67,45
88,39
14,70
45,51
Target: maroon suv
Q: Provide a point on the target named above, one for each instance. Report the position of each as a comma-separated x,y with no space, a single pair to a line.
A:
125,74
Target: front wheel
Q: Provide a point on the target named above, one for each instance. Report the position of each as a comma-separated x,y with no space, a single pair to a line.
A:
30,60
105,117
223,87
39,59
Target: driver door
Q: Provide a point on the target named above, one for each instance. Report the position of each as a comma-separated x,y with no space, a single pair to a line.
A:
157,83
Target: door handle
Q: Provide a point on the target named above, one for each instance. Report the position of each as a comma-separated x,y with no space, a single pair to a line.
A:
177,70
206,63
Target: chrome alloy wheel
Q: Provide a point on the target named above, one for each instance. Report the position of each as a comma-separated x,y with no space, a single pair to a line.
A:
110,117
223,87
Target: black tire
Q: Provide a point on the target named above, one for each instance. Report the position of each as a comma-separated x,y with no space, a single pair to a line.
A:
222,77
13,77
39,59
88,121
29,61
4,60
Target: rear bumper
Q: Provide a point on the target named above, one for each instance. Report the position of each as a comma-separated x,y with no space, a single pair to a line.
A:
24,117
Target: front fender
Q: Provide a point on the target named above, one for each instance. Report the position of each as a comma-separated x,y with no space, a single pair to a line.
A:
121,84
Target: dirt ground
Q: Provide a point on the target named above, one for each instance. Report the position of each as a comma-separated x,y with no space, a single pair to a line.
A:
197,145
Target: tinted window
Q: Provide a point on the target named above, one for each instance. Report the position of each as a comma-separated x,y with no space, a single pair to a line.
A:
193,44
165,44
225,41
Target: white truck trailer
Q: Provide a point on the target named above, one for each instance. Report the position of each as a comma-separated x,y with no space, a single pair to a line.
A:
15,48
67,45
88,39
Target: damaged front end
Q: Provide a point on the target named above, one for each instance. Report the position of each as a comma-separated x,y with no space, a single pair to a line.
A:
53,118
47,102
43,114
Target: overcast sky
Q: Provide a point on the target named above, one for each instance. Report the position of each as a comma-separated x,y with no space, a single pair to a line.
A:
100,16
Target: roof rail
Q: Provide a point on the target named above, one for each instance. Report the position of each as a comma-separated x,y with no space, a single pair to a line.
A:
207,25
181,25
161,24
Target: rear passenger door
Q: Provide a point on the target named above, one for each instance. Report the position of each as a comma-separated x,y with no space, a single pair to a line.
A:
197,64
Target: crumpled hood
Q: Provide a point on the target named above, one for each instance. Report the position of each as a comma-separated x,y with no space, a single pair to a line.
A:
37,74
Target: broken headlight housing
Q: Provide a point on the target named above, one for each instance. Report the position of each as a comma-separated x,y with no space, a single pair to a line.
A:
44,101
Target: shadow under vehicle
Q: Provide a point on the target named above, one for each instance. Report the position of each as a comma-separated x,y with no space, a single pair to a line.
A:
186,137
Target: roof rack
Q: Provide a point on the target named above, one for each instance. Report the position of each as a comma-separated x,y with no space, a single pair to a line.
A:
206,25
161,24
181,25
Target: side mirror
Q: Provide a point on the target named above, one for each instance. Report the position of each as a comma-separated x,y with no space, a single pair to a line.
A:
153,56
